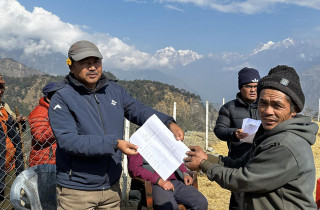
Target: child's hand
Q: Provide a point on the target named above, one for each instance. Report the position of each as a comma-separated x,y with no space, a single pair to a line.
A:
166,185
187,179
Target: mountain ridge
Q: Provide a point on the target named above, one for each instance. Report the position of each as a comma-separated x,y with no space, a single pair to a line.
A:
25,92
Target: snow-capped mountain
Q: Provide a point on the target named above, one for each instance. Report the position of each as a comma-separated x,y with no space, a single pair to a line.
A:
273,45
212,76
183,57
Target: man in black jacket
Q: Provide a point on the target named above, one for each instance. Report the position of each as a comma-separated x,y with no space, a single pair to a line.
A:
231,115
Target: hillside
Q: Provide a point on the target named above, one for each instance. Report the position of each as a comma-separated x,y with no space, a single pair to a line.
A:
25,91
310,84
190,109
12,68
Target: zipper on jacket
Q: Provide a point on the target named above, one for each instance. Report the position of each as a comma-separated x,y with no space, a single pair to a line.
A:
70,174
95,97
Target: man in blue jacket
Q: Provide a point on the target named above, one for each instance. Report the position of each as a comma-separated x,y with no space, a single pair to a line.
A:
87,117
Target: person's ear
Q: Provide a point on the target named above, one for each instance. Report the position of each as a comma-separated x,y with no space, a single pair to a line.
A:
293,114
71,68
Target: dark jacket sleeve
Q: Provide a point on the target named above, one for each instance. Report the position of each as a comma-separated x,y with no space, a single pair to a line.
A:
223,128
14,135
260,174
2,157
65,130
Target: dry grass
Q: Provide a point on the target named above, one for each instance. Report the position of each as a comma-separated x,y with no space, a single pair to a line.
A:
218,197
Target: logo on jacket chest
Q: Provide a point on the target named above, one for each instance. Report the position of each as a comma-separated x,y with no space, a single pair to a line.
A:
113,102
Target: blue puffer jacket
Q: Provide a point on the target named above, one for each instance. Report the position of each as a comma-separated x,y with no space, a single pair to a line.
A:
87,125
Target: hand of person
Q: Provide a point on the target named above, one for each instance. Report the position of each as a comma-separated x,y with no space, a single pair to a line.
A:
127,148
21,119
188,180
177,131
195,156
240,135
166,185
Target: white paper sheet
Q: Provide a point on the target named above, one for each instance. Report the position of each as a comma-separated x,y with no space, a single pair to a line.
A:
158,146
250,126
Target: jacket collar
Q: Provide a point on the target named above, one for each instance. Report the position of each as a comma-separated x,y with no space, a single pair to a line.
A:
102,82
239,98
300,125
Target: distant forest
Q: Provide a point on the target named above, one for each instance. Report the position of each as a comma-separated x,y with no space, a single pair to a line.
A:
24,93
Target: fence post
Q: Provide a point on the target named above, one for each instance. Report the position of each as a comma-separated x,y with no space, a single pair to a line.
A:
174,114
125,162
207,124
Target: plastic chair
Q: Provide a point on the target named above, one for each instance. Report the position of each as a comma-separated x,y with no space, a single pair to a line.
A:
141,191
35,188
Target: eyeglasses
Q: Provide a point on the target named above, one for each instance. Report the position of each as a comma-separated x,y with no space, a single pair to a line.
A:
250,86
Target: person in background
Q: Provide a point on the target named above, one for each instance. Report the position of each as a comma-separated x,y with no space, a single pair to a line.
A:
87,118
278,172
44,143
11,156
18,118
168,193
231,115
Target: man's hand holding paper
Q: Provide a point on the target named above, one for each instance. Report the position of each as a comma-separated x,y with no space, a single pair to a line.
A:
159,147
250,127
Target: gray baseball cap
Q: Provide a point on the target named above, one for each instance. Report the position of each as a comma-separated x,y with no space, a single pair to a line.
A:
83,49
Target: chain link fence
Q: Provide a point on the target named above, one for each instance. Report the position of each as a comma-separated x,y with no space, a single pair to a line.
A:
33,143
36,146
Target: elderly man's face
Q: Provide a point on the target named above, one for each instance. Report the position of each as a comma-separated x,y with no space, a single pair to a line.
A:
274,108
88,71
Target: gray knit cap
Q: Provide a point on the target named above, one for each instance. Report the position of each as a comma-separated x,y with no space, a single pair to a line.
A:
286,80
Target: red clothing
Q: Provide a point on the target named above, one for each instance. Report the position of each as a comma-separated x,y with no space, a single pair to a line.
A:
43,141
136,169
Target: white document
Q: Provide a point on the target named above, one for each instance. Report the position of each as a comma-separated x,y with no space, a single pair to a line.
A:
158,146
250,126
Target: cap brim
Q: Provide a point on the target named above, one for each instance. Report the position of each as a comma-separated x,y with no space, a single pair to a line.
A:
86,54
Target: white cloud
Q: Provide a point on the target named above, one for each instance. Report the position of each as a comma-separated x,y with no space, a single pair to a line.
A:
42,32
169,6
237,67
246,6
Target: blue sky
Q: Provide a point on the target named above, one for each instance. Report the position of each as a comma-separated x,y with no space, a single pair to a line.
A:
199,45
214,27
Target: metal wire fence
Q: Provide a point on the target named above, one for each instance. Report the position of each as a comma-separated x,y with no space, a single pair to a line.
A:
38,145
15,147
